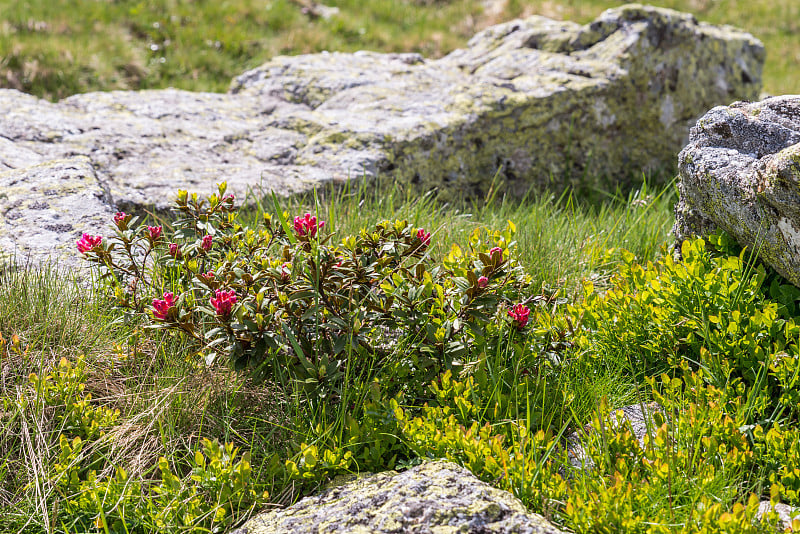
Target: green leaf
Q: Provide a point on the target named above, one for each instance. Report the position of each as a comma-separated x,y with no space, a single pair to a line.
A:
284,223
299,351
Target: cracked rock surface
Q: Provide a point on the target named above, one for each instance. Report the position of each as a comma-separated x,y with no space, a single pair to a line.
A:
535,101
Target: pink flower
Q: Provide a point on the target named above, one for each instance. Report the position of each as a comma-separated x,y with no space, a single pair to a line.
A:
206,277
174,250
228,198
424,236
496,250
307,225
154,232
121,220
207,242
483,282
224,302
519,314
88,242
163,308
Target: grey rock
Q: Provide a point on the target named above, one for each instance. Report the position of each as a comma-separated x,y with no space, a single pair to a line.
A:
740,172
45,208
435,497
785,513
538,101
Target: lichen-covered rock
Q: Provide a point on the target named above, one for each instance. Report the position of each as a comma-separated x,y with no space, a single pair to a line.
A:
741,172
433,498
536,100
45,208
541,100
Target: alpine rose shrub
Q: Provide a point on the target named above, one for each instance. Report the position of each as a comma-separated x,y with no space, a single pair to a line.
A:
424,237
519,315
307,225
285,293
224,302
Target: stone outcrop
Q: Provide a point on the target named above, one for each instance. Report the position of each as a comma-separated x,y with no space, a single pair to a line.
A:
535,100
438,497
741,172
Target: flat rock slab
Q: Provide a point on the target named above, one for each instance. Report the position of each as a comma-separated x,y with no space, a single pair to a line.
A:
741,172
435,497
535,101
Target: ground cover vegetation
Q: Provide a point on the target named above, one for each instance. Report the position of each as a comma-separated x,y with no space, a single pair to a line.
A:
226,360
231,359
55,48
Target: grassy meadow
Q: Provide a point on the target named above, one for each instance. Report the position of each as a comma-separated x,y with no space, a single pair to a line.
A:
123,416
54,48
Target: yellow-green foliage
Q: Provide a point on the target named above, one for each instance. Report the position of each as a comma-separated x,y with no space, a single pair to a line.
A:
708,310
94,495
778,451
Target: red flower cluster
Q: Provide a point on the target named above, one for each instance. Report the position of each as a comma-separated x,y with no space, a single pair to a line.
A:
307,225
207,242
154,232
88,242
163,307
424,236
496,250
224,302
174,250
483,282
519,314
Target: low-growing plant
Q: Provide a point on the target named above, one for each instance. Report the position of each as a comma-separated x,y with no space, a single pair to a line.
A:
709,310
282,299
91,493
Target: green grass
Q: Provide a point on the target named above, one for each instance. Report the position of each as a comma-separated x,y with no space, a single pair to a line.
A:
55,48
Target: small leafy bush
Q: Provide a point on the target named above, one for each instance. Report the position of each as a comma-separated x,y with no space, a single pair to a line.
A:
285,301
709,311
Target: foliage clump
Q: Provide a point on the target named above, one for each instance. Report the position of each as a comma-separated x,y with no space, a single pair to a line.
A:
389,356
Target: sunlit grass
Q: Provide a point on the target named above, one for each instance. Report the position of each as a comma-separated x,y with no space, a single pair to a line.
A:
55,48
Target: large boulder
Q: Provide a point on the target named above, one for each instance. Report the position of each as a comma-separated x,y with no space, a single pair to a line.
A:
741,172
538,101
435,497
